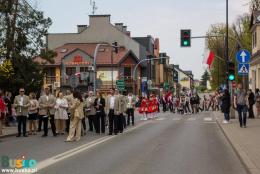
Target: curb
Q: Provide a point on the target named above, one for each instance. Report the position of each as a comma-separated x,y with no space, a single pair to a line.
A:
243,157
7,135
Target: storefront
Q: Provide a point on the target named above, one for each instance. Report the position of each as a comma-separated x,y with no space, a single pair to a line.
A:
73,68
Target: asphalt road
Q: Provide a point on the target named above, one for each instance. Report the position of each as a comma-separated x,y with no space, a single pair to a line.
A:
172,144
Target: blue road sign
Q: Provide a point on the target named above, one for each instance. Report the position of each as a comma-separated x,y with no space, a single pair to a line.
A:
243,56
243,69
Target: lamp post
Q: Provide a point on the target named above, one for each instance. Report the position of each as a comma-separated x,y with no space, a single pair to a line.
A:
134,71
95,66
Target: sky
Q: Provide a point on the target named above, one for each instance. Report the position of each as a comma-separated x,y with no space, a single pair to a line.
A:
161,19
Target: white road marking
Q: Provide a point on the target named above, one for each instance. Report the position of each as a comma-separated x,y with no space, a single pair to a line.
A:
191,119
55,159
160,119
208,119
210,122
177,119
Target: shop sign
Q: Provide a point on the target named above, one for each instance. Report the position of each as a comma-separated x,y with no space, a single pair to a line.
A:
77,60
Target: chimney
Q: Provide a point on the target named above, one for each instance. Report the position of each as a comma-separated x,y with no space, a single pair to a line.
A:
125,29
96,20
119,26
177,66
128,33
82,28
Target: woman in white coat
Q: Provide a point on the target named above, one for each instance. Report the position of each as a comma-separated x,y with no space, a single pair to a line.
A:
61,114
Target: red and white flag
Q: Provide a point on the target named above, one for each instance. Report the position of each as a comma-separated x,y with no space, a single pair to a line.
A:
209,58
77,74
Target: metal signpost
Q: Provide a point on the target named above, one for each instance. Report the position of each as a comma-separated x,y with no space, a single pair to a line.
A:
243,57
74,81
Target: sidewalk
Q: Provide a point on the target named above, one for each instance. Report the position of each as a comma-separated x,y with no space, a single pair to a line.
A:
245,141
9,131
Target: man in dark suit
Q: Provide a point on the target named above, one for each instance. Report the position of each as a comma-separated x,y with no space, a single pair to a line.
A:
100,104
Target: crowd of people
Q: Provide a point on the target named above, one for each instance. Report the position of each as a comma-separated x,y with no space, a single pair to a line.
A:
66,113
244,102
186,103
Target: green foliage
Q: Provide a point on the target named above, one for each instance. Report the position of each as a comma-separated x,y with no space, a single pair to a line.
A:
204,78
239,33
6,70
22,29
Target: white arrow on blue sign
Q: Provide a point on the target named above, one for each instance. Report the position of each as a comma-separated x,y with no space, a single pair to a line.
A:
243,56
243,69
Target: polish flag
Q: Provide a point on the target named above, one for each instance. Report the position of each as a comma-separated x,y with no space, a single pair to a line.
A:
77,74
209,58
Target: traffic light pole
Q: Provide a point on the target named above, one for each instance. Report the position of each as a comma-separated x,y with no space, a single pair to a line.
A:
226,45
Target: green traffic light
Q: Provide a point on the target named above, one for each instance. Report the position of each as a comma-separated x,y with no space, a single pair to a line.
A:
185,43
231,77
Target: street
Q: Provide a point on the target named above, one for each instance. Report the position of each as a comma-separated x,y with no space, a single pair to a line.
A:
179,144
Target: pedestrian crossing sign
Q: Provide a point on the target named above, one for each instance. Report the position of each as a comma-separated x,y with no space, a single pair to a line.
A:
243,69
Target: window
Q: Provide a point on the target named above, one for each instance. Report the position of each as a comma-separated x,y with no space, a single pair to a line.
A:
70,71
83,69
254,39
127,72
50,75
50,71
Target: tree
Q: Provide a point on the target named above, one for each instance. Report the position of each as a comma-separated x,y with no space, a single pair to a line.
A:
254,5
204,79
239,32
22,29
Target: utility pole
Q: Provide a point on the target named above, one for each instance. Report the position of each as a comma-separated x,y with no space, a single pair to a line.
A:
226,45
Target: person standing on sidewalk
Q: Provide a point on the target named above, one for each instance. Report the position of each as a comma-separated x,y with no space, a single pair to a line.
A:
77,114
2,111
120,108
33,113
61,114
240,103
91,111
251,101
257,100
21,103
46,111
8,104
130,104
100,104
69,98
225,106
113,112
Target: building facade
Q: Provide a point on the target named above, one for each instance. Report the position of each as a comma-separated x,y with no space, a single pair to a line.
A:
254,74
74,64
184,78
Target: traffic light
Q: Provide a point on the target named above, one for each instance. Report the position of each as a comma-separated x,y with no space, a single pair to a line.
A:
115,45
231,71
185,38
175,76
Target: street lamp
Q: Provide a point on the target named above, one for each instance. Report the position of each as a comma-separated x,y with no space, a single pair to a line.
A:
134,71
95,59
95,66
